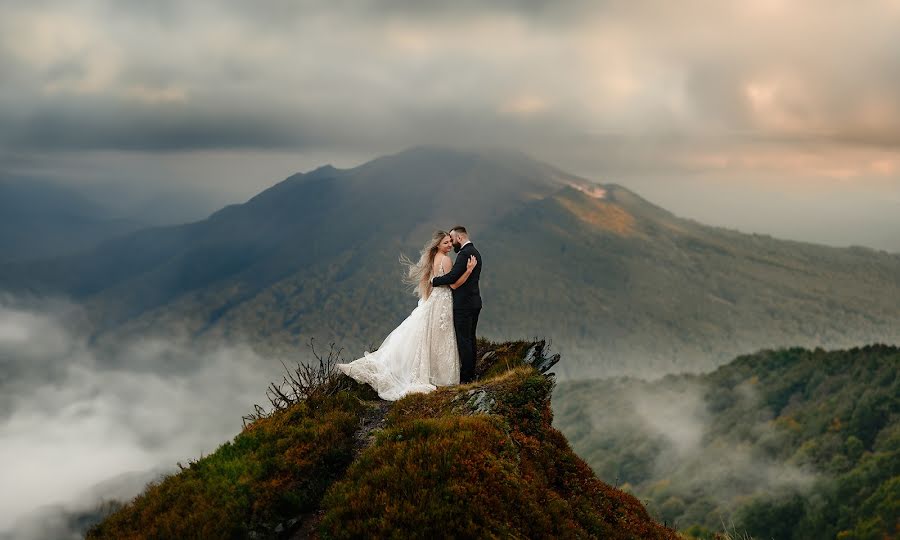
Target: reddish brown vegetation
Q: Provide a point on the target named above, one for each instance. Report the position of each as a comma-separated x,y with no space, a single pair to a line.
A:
479,460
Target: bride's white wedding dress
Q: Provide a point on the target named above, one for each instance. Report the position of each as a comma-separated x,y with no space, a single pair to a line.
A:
418,356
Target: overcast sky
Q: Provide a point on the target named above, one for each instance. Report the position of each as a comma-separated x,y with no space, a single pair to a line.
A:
765,115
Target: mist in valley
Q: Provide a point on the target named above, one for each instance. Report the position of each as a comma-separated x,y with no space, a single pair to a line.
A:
78,427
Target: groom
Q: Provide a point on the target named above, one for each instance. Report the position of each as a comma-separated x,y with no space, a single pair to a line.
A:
466,300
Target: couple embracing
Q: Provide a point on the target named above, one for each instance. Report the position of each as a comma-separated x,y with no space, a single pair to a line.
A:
435,345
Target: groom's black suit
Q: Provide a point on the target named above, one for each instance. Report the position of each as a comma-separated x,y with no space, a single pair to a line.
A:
466,307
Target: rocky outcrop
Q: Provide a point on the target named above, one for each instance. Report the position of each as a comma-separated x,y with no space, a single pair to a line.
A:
475,460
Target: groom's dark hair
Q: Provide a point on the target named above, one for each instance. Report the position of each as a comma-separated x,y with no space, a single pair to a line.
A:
460,228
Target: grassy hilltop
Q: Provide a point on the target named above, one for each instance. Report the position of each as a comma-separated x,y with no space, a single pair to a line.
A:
477,460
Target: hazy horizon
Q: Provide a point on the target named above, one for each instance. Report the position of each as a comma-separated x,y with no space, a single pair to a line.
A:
738,114
855,216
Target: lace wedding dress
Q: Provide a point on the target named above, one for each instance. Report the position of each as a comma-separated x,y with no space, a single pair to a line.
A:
418,356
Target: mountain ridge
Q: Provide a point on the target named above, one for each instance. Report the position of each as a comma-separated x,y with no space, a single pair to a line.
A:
315,256
40,219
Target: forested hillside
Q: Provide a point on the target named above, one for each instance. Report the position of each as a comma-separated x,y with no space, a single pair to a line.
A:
785,444
623,286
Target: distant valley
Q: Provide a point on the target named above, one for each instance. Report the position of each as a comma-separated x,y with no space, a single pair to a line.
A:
40,219
787,444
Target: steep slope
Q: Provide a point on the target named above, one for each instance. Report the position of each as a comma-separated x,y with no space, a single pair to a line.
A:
479,460
632,289
625,286
785,444
306,222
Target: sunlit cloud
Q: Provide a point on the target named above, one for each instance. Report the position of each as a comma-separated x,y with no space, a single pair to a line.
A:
524,105
641,93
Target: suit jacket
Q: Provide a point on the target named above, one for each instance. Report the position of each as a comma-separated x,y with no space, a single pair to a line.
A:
468,296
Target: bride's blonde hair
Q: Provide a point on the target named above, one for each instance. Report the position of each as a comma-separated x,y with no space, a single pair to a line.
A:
418,274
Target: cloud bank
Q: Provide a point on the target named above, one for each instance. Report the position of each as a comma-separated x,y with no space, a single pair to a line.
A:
756,100
692,465
77,428
122,75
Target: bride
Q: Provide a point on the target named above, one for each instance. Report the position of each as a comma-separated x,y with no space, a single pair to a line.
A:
421,353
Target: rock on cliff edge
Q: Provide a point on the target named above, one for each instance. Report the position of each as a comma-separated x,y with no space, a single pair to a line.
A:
480,460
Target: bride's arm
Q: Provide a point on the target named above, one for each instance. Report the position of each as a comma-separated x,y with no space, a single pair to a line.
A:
470,264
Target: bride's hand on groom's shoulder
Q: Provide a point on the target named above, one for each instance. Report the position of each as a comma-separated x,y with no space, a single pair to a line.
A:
471,262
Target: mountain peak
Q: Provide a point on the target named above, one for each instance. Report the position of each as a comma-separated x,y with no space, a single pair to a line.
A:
431,150
479,459
287,264
322,170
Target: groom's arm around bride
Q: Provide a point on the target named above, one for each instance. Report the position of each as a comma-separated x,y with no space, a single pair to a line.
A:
466,300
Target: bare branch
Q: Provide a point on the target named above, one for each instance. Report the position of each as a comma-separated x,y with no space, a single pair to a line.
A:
306,382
